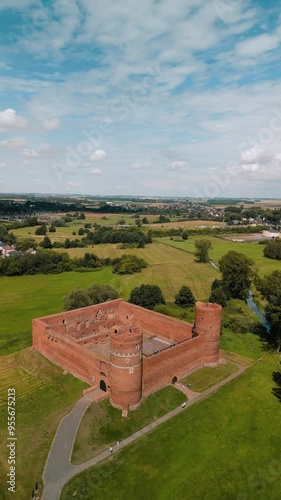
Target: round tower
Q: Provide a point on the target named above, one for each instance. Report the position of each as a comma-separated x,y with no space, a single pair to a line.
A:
208,318
125,367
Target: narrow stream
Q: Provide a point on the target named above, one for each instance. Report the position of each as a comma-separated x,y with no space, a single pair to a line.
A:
253,306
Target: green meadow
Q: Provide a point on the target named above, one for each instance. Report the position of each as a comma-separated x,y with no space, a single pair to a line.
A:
224,447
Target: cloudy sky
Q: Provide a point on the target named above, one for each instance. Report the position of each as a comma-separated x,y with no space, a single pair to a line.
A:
150,97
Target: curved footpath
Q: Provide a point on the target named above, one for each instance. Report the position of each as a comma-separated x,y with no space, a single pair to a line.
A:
58,469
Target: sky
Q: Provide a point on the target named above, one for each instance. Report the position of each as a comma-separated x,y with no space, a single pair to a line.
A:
151,98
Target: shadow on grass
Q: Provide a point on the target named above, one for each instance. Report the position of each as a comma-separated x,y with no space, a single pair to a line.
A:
276,376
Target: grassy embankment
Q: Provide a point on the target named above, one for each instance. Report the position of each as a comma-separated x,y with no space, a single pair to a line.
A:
43,396
103,425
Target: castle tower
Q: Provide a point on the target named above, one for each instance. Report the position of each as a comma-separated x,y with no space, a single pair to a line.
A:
208,319
125,367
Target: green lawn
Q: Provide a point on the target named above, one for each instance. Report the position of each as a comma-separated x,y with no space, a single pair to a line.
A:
204,378
103,425
221,247
43,396
225,447
25,297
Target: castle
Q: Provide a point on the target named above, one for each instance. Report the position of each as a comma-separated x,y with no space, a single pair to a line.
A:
127,351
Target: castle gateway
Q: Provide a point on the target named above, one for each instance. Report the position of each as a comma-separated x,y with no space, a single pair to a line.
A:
128,351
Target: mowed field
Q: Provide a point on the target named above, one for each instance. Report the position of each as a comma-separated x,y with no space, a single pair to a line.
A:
225,447
220,247
167,268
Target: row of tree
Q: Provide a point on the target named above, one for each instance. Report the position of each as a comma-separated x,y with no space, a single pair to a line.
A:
47,262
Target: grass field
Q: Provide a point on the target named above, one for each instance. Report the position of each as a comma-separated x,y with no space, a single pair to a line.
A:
25,297
103,425
43,396
225,447
203,379
168,268
221,247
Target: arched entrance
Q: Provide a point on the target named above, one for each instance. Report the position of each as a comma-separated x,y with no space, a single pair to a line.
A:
174,380
103,385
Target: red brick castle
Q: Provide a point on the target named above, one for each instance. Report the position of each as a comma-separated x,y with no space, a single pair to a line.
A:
128,351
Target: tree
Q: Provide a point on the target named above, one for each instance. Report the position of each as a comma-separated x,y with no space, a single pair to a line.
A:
273,249
75,299
81,231
270,288
41,230
46,243
218,296
128,264
101,293
237,274
145,220
82,216
52,229
202,250
147,296
184,297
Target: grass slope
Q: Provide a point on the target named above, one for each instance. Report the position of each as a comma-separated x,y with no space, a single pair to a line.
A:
43,396
227,446
203,379
103,425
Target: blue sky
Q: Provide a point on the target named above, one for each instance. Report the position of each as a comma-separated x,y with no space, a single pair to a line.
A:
169,98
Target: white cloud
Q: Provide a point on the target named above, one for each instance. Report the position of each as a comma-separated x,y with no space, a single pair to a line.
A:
9,120
51,124
178,166
140,166
4,66
3,165
257,45
98,155
96,171
31,153
14,143
253,155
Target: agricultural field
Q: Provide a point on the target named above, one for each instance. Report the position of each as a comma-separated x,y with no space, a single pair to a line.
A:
43,396
222,246
167,267
186,456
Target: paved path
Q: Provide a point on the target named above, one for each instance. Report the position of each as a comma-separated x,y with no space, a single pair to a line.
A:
59,470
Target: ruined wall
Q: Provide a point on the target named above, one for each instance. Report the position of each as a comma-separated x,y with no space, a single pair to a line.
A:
155,324
86,320
67,353
159,369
